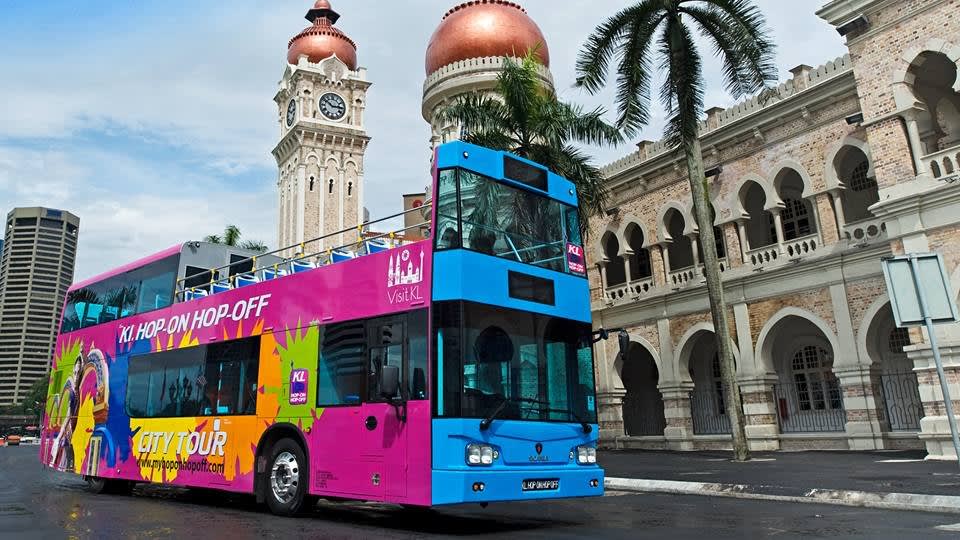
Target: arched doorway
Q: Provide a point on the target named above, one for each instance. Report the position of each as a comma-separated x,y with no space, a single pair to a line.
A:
808,394
643,404
707,401
898,382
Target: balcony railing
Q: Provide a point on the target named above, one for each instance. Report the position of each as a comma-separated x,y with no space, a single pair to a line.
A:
633,289
865,231
801,246
763,256
682,278
943,163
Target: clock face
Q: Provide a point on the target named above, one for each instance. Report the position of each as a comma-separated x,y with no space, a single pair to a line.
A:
332,106
291,113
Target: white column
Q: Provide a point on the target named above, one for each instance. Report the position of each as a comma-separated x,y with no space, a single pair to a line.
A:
838,210
778,225
742,235
626,265
694,237
916,145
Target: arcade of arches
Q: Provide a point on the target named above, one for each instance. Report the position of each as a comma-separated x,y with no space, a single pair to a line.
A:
798,385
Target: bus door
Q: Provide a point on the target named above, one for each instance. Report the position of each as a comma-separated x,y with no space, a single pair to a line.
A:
384,441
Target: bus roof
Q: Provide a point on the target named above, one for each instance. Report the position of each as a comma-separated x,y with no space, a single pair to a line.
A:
174,250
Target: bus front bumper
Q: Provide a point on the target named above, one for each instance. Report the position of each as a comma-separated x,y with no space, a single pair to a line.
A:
491,485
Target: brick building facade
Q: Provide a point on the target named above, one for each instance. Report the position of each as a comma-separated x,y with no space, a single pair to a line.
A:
846,163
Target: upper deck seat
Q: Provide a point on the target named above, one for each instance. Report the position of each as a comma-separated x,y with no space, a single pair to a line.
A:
244,280
378,245
273,273
301,266
219,287
340,255
193,294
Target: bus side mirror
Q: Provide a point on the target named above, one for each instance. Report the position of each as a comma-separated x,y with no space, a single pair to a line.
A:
624,338
390,381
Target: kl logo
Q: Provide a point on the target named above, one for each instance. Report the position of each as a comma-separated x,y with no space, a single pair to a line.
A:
298,386
403,271
575,260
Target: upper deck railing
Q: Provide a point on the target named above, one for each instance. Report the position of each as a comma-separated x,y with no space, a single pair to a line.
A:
301,261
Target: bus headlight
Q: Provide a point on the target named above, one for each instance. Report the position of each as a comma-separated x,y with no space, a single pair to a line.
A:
480,454
586,455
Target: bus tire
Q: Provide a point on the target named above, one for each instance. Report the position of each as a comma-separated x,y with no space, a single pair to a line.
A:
106,486
285,482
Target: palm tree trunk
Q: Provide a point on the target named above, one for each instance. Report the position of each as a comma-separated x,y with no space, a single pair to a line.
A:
718,306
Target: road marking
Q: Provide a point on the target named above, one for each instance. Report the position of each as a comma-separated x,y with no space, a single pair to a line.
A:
900,461
696,473
954,527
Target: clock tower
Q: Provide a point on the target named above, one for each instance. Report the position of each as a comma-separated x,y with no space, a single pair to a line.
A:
321,101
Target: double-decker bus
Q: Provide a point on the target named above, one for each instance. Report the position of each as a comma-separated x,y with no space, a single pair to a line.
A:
456,369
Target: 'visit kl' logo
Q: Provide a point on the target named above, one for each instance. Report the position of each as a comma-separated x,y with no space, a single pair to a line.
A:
404,276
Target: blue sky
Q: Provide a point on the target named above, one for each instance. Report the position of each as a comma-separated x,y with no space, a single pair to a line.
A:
154,120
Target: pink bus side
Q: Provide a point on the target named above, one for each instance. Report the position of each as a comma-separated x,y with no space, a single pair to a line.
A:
87,429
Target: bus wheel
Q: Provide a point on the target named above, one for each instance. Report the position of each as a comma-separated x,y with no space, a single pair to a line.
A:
107,486
285,481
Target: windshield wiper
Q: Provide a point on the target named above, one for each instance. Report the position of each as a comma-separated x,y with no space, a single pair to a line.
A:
485,423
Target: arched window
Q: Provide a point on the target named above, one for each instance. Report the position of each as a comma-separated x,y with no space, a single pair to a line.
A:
797,214
640,260
616,273
680,249
816,385
759,228
330,186
899,338
349,189
853,169
311,184
934,75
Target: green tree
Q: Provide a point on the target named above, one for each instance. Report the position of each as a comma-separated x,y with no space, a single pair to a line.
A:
524,117
652,34
231,237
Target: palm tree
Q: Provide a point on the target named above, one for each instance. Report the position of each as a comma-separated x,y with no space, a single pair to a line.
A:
525,118
231,237
661,30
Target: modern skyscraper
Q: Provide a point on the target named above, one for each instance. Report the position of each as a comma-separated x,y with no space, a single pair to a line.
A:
36,268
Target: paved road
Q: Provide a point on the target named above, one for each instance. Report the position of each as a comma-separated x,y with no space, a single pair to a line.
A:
37,503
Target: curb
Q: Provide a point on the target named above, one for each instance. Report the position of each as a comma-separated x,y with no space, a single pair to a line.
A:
890,501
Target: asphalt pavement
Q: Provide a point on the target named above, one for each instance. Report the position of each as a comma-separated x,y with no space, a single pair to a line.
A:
882,471
39,503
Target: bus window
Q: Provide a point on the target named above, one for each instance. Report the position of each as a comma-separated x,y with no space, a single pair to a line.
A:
448,227
156,292
386,349
207,380
341,364
417,338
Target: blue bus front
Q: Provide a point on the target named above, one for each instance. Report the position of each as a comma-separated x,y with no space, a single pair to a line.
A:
515,415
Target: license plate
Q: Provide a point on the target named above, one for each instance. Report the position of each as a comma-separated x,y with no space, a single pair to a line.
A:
547,484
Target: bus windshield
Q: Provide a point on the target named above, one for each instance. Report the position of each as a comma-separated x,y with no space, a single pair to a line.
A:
541,366
480,214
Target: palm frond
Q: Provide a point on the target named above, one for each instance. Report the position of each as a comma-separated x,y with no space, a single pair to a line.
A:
254,245
231,235
213,239
748,64
605,43
635,74
476,112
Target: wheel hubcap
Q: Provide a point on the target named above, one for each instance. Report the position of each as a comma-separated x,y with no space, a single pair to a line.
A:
285,477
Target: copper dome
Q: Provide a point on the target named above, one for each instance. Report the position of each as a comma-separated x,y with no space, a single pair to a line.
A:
482,28
322,39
